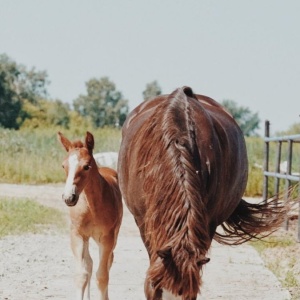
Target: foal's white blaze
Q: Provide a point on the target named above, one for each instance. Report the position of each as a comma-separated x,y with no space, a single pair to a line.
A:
166,295
73,163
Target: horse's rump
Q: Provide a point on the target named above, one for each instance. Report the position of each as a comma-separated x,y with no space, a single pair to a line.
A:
182,171
169,154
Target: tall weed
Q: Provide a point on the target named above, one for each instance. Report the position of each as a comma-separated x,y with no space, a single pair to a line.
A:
34,156
255,148
18,216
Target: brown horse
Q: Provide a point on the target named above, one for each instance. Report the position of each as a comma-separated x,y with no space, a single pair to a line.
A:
182,172
96,210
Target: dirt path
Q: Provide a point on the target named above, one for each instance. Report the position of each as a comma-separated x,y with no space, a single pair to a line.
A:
40,266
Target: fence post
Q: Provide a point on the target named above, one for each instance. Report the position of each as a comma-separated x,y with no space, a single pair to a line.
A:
288,181
278,161
298,236
266,161
288,176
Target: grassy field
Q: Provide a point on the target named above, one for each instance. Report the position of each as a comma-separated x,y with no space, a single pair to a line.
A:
280,252
35,156
255,149
19,216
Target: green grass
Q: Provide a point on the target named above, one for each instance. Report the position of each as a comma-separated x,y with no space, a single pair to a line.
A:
19,216
278,253
35,156
255,149
273,242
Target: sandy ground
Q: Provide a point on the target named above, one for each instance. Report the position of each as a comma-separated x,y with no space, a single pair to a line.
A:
41,266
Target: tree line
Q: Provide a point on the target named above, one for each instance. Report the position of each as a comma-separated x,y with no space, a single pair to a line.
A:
25,102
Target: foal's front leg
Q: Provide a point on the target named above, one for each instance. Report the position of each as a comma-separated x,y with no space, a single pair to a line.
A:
84,265
106,255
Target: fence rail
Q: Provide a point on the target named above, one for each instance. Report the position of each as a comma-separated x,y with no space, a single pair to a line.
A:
282,176
287,175
295,138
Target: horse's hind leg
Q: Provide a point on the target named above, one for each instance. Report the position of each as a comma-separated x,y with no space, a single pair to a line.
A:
84,265
105,261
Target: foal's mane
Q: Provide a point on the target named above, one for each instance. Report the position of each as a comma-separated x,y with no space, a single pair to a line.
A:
176,226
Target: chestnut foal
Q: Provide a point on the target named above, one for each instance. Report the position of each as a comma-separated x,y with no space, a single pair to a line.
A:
96,211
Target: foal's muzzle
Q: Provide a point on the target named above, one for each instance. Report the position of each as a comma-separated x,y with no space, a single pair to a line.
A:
72,198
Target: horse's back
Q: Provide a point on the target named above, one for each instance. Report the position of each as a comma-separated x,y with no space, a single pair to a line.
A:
182,171
220,143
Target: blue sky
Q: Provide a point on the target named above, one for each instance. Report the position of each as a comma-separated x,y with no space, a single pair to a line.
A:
246,51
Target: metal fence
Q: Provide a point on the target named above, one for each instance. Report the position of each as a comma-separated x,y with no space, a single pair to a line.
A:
282,169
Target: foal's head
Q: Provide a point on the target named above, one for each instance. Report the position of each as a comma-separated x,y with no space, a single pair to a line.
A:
77,166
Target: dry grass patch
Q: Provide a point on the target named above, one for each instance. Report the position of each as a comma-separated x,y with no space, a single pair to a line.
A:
18,216
281,252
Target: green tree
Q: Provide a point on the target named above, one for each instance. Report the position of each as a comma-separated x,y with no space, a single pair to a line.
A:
248,121
152,90
79,124
18,85
32,84
46,113
10,101
293,129
103,103
58,113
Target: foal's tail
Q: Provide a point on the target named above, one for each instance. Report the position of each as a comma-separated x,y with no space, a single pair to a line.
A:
252,221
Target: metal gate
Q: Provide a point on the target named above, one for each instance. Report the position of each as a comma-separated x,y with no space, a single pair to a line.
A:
277,172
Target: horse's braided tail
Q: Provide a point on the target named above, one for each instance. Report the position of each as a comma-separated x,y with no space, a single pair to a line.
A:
252,221
177,220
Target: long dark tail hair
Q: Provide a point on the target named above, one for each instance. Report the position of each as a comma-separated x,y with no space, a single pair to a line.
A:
176,225
252,221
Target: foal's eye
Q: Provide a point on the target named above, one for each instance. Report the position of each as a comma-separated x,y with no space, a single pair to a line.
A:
86,167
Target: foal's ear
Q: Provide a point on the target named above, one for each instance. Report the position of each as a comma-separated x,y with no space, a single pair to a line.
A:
89,142
64,141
